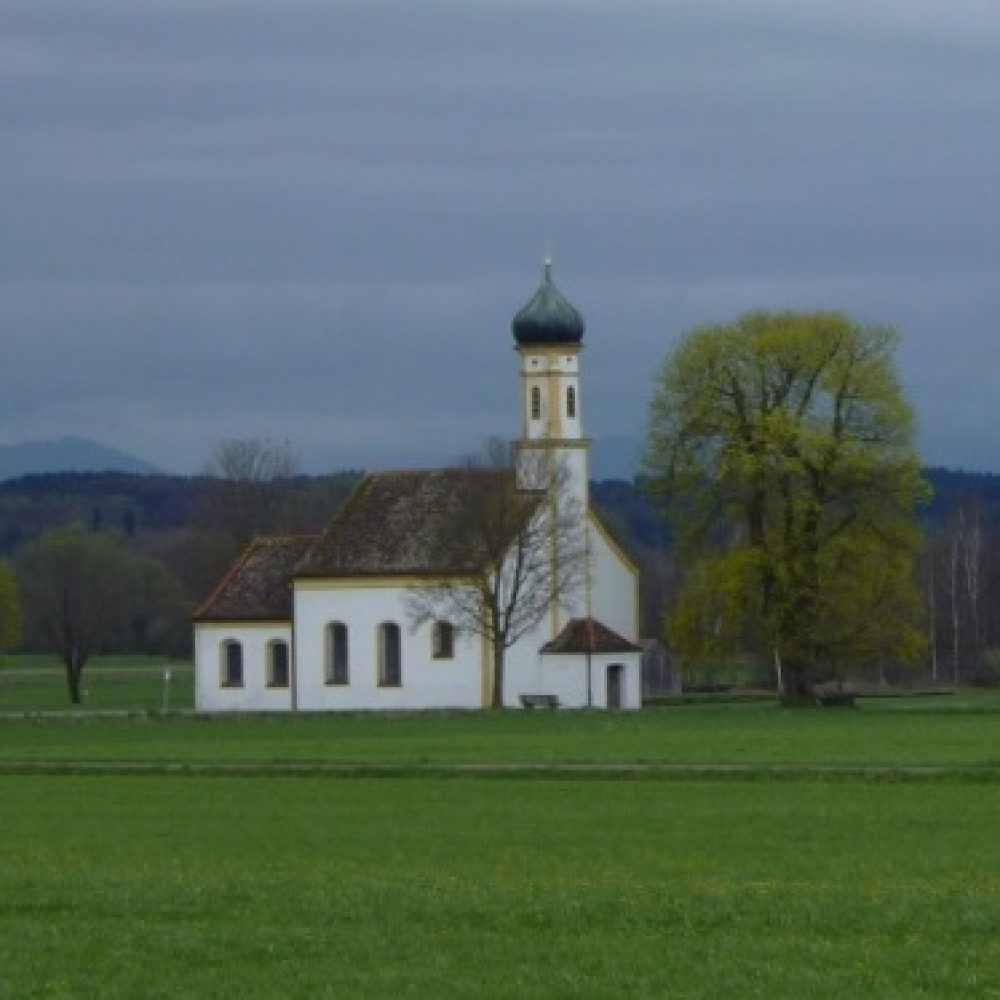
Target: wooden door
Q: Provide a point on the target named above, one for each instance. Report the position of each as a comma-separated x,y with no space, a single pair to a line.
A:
614,699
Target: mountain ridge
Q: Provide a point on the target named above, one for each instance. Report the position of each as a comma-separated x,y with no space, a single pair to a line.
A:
69,453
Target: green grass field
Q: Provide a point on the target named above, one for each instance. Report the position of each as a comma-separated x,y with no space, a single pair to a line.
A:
957,731
178,885
30,683
126,887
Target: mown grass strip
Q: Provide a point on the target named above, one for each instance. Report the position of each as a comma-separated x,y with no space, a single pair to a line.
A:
520,771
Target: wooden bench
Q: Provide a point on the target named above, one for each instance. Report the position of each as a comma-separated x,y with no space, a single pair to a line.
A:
539,701
836,699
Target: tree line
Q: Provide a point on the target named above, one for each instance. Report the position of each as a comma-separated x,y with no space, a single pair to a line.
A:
128,583
781,519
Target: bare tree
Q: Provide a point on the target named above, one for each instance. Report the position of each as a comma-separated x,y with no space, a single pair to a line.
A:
954,595
76,594
972,564
525,551
250,495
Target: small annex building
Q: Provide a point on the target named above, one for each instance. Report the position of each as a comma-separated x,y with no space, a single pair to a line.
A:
326,623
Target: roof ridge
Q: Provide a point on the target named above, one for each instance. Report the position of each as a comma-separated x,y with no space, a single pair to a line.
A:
379,473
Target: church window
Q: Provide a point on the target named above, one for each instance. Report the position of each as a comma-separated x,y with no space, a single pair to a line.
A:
336,654
390,655
570,401
277,663
536,403
443,640
232,664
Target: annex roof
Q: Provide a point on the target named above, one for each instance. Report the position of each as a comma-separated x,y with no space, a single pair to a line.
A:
587,635
408,523
258,586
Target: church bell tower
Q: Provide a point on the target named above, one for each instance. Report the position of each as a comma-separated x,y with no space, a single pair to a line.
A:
548,334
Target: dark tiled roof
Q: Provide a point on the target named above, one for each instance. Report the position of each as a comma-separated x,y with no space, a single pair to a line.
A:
410,524
259,585
586,635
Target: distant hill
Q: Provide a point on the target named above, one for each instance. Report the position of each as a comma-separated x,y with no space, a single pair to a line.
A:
66,454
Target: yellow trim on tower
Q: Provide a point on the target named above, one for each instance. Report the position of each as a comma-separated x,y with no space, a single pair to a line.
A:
570,350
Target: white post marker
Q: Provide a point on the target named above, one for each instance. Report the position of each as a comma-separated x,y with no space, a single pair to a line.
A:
166,691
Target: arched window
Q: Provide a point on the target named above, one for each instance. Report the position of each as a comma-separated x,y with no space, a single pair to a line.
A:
390,655
232,664
277,663
570,401
536,403
443,641
337,671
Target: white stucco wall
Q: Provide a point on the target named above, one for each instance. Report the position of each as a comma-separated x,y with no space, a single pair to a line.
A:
614,595
565,675
253,695
427,682
612,600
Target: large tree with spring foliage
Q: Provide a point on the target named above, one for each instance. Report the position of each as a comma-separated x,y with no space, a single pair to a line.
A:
782,446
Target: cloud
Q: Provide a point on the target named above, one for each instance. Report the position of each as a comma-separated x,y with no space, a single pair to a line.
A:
315,220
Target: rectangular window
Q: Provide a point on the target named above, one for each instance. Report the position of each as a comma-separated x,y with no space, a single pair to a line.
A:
337,669
390,655
277,668
232,664
443,641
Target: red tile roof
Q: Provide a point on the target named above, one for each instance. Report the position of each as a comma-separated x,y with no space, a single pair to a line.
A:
587,635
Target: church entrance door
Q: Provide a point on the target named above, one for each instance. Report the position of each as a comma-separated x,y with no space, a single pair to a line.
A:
614,699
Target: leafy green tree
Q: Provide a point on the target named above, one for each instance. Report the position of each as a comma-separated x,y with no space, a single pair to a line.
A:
10,608
782,447
76,589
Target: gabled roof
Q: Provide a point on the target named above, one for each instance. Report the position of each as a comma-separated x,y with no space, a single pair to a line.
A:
258,587
408,524
587,635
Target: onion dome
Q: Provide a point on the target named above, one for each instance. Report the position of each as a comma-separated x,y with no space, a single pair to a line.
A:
548,318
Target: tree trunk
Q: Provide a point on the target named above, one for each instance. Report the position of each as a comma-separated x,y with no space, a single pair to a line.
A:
797,686
954,607
498,658
74,668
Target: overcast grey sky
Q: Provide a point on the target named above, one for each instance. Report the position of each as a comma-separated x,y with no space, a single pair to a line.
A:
313,221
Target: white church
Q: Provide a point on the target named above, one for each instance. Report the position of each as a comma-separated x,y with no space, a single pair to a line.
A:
326,623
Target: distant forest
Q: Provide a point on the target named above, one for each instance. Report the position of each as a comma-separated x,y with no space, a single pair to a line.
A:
148,504
195,527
